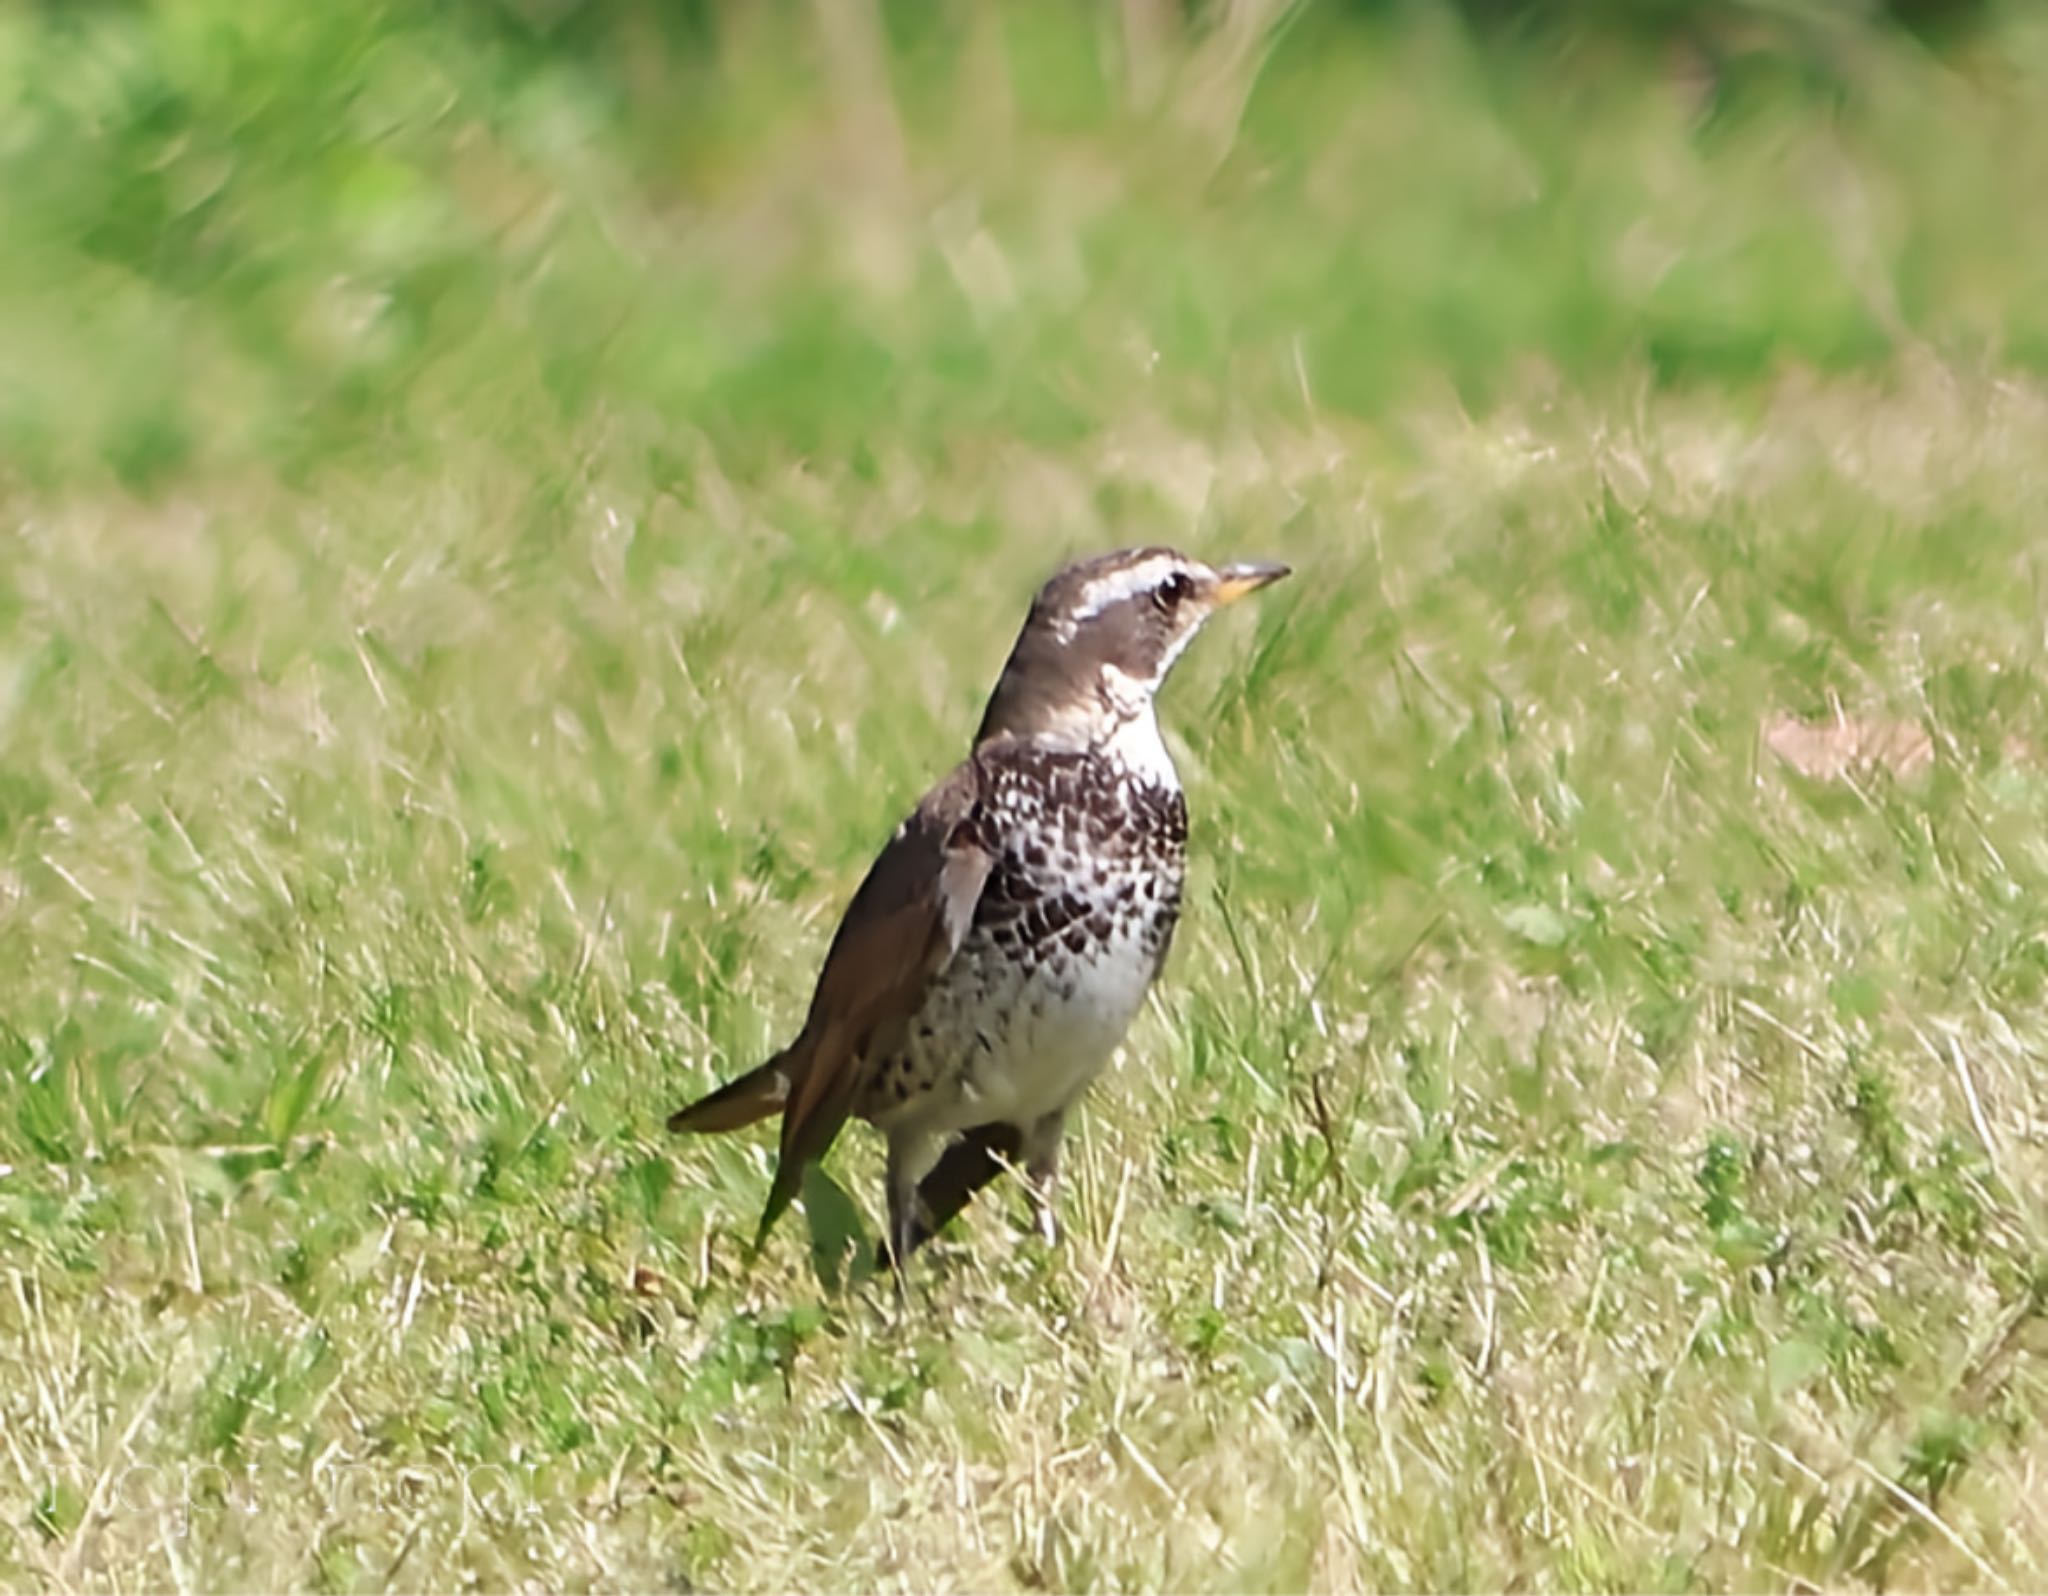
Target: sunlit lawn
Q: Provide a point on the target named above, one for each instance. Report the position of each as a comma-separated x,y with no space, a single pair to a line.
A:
496,531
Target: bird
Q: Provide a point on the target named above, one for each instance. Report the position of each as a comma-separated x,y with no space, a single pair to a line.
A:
995,954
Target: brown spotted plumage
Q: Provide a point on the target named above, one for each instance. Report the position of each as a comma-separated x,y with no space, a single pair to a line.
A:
1001,944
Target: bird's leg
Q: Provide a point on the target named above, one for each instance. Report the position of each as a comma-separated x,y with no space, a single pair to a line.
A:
909,1160
1042,1171
898,1244
971,1161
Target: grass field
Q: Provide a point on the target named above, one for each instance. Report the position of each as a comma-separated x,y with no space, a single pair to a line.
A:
498,524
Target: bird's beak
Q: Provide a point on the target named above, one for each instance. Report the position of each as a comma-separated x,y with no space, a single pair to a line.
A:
1247,576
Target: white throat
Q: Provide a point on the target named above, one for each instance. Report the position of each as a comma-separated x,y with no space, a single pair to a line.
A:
1134,740
1138,747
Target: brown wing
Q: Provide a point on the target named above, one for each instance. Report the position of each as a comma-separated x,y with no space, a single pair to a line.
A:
903,927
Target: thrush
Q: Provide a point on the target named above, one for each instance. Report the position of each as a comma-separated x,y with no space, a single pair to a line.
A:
1000,946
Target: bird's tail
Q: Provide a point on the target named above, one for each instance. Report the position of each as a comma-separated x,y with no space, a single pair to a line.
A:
755,1095
809,1084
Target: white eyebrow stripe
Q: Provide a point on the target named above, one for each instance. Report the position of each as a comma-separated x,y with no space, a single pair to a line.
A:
1114,588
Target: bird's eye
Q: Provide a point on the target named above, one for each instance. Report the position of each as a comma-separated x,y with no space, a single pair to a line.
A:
1173,590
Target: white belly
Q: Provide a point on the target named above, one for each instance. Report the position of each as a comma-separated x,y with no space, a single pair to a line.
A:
1068,1023
1019,1046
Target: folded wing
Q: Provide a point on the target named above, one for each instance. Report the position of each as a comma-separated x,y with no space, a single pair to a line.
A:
903,927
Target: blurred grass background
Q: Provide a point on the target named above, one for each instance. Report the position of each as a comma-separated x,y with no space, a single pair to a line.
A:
504,506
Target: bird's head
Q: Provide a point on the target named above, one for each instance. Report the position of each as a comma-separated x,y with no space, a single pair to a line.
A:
1102,635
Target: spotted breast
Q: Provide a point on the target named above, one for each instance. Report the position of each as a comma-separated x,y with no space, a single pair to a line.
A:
1070,931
